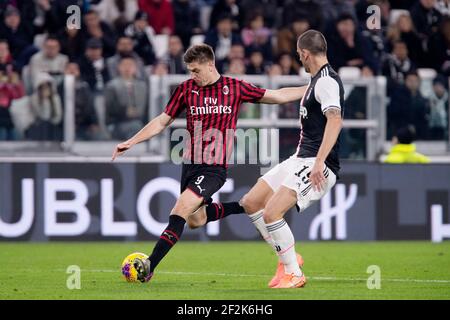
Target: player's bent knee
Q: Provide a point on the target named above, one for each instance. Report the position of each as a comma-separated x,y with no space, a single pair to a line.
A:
185,208
183,211
271,216
251,204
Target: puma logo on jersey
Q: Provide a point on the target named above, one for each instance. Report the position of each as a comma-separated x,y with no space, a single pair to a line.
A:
196,92
200,188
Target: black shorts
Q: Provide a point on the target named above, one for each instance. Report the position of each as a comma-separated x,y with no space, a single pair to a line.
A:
202,179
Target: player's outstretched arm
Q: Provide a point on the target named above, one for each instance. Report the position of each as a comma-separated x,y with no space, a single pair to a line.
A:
154,127
330,135
283,95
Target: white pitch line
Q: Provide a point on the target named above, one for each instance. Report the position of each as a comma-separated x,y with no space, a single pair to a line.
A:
265,276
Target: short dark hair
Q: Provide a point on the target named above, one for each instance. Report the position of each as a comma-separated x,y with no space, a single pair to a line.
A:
200,53
344,17
52,37
127,58
406,135
314,41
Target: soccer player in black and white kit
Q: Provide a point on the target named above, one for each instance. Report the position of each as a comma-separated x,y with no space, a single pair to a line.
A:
312,171
211,102
308,174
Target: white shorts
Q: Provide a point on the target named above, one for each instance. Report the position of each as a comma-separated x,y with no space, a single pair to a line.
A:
293,173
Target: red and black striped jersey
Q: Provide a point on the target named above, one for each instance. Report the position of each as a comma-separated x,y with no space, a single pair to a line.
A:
211,115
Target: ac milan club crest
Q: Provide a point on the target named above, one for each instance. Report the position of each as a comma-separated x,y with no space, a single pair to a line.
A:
226,90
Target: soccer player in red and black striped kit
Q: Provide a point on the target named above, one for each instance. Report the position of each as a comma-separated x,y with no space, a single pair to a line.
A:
212,104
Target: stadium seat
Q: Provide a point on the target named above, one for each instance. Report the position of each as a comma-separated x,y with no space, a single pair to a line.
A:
161,45
426,73
349,73
197,39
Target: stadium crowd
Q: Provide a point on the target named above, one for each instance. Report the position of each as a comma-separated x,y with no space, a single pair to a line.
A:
118,47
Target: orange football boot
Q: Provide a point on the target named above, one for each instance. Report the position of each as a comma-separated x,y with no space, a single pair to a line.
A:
280,272
289,281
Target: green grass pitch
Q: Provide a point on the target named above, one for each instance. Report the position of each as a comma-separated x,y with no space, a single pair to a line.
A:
226,270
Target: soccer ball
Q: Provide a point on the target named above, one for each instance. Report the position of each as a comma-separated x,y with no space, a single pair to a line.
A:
128,270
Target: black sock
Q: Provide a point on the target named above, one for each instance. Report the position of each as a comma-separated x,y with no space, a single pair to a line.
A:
216,211
167,240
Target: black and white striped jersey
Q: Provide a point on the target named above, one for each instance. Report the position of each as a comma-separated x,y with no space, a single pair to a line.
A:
325,90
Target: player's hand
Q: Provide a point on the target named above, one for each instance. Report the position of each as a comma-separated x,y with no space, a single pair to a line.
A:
120,149
316,177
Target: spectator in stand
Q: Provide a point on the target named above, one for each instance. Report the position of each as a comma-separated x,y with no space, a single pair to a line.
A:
93,66
418,105
438,114
187,20
408,107
86,123
27,11
287,37
126,101
256,63
174,57
274,70
143,36
255,36
117,13
267,8
222,38
303,8
94,28
439,49
403,30
124,49
286,63
229,8
45,104
6,59
425,17
49,60
443,6
19,36
160,15
160,69
10,88
237,51
236,67
72,43
332,9
403,149
348,47
398,64
376,36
